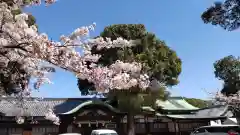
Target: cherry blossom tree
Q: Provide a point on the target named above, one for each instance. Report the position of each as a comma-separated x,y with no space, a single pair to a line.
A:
155,57
38,55
232,101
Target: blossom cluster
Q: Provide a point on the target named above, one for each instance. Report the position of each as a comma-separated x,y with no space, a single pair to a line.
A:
50,115
23,43
120,76
231,100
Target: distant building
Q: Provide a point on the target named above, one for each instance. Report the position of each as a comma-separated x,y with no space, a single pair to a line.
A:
173,117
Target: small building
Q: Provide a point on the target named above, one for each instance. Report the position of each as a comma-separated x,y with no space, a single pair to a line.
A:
82,115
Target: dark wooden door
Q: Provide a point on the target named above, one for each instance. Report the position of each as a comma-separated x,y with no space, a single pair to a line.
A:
86,129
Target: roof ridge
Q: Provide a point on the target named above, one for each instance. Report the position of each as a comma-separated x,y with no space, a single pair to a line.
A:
176,97
213,106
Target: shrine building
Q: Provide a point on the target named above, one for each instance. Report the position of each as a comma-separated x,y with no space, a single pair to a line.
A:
174,116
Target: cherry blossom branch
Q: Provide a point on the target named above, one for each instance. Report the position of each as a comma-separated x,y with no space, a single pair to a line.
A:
24,44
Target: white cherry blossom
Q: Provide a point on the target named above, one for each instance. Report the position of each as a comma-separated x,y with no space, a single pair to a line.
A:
24,44
50,115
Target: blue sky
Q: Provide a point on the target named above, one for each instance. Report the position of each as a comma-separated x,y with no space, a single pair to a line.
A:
176,22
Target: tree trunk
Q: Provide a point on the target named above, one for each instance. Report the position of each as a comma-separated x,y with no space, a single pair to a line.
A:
119,125
130,123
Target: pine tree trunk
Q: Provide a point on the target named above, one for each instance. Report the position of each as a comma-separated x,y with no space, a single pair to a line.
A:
130,123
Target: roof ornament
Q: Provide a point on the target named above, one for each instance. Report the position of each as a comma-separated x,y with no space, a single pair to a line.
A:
20,120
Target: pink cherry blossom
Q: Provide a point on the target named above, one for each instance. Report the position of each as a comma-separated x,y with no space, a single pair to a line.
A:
230,100
50,115
24,44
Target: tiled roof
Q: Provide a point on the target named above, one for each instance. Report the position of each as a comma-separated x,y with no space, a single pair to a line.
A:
91,102
175,103
211,112
68,105
38,108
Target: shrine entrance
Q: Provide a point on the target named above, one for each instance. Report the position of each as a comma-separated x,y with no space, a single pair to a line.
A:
86,129
93,116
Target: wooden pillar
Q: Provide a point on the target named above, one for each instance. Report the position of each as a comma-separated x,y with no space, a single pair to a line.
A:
176,127
147,125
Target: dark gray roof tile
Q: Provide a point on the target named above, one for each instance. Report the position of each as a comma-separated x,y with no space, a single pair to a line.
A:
211,112
37,108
